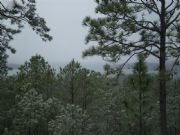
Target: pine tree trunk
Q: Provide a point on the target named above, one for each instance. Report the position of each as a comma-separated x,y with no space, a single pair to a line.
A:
162,98
140,117
72,91
72,102
140,106
162,72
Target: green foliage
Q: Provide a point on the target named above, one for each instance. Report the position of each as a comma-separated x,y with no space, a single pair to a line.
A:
13,21
3,63
130,27
32,113
7,102
37,101
39,74
173,103
122,20
29,112
70,120
141,105
69,77
78,85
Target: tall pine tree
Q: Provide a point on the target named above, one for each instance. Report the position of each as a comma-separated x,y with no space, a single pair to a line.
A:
130,27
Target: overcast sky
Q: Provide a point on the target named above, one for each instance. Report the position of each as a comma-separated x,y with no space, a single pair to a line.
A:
64,17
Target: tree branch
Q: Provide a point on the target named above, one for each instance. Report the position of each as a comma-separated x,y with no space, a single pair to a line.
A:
172,1
170,23
149,6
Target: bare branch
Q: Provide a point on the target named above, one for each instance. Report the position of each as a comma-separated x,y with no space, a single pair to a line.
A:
139,23
144,48
150,7
2,5
122,65
170,45
172,1
174,64
171,22
154,3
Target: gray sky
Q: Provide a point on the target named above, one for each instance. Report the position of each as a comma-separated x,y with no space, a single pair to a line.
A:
64,17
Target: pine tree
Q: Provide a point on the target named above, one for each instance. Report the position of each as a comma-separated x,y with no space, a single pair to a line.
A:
130,27
141,83
39,74
68,77
13,19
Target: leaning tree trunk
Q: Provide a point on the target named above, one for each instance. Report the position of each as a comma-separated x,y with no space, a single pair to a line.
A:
162,72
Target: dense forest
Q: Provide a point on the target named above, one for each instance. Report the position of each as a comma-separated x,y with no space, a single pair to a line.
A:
76,101
73,100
